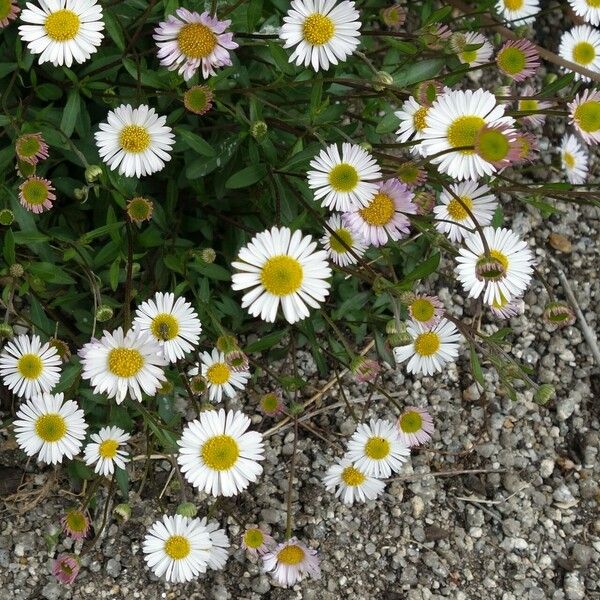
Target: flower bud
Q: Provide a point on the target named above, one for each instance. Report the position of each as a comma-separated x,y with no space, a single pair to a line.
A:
382,77
81,193
16,270
559,314
402,338
198,384
425,202
7,217
391,327
104,313
489,268
544,393
208,255
166,388
122,512
140,209
92,173
226,344
258,130
25,169
296,408
364,369
237,360
393,16
187,509
6,331
61,347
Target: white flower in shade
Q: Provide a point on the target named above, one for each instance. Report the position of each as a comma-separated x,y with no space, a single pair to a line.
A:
218,553
581,45
384,218
177,548
376,448
119,364
518,12
415,426
426,310
105,450
290,561
343,182
413,120
574,159
134,140
220,377
189,41
174,324
62,31
502,309
352,483
452,217
478,56
431,348
454,121
588,10
256,540
345,246
217,454
324,33
584,114
284,268
50,428
28,367
504,273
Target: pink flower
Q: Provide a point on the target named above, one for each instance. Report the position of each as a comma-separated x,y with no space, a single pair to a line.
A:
518,59
9,12
427,310
31,148
256,540
365,369
36,194
65,567
415,426
529,102
584,115
76,524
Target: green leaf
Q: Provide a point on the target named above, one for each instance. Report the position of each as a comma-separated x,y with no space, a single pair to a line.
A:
122,479
9,248
70,113
555,86
266,342
195,142
114,29
498,217
281,58
246,177
6,68
419,71
424,269
388,124
39,318
212,271
476,367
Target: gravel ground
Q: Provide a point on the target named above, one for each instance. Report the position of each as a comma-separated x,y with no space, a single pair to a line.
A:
528,527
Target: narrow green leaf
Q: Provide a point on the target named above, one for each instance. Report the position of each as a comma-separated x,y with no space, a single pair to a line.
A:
70,113
246,177
195,142
476,367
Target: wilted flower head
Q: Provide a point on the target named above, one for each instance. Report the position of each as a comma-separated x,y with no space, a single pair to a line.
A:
527,145
62,348
256,540
271,404
198,99
364,369
198,384
36,194
7,217
76,524
65,567
237,360
425,202
559,314
411,174
393,16
31,148
427,92
140,209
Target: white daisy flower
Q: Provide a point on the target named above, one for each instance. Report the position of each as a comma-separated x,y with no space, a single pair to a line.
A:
220,377
584,114
28,367
351,483
413,120
324,33
415,426
50,428
217,454
384,217
291,561
281,268
174,324
581,45
340,253
454,121
134,140
62,31
343,182
477,198
574,159
588,10
105,450
178,548
480,55
518,12
504,273
119,364
188,41
218,553
430,349
503,309
377,449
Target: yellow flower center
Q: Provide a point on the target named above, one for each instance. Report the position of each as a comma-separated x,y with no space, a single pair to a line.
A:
62,25
420,118
108,449
501,302
177,547
457,211
290,555
528,104
583,53
269,402
411,422
218,373
569,160
463,132
220,452
511,60
593,3
196,40
469,56
514,4
427,343
35,192
500,257
164,327
343,177
336,244
352,476
76,521
377,448
422,310
493,145
28,146
51,427
134,138
282,275
318,29
380,210
30,366
125,362
587,115
254,538
5,8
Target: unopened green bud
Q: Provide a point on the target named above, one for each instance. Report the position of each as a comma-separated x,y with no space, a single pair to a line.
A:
226,344
25,169
7,217
366,146
208,255
206,406
296,408
391,327
382,77
92,173
81,193
187,509
16,270
122,512
37,284
544,393
198,384
61,347
104,313
402,338
166,388
258,130
6,330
